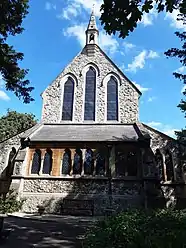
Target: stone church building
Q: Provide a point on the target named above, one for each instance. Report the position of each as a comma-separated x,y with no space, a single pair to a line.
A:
90,150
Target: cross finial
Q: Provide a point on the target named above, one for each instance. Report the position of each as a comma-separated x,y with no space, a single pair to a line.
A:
93,6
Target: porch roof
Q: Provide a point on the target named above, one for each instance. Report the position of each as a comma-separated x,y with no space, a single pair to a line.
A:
88,132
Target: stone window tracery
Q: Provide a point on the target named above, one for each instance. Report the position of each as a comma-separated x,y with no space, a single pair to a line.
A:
90,94
36,162
68,100
47,163
112,99
66,162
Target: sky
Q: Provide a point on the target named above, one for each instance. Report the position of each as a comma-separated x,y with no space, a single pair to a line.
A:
55,33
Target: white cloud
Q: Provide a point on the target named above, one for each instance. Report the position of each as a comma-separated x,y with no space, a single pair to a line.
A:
154,124
88,4
49,6
139,60
4,96
70,11
78,31
183,89
164,128
152,55
148,18
151,98
2,83
106,42
172,17
128,46
181,69
141,88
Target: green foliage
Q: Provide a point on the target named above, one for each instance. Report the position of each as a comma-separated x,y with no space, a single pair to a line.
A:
123,16
139,229
14,122
11,17
10,204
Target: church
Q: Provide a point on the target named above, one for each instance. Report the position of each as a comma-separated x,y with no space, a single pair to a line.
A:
90,152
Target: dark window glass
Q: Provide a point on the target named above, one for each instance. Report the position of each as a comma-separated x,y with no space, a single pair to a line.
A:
66,163
68,99
159,163
89,162
47,163
10,167
112,99
100,163
36,162
169,165
90,93
77,167
126,163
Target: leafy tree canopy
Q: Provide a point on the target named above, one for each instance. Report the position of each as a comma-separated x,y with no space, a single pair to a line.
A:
123,16
12,13
14,122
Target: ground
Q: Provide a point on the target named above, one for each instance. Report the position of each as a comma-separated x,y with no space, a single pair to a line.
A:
27,233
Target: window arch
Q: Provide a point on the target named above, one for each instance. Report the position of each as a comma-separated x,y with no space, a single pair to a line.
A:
68,100
112,99
89,162
9,170
159,163
169,166
47,163
90,94
77,166
36,162
66,163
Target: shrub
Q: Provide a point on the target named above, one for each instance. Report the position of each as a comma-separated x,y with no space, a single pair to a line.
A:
10,204
139,229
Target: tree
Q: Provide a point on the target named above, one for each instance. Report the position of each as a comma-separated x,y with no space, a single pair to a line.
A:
181,55
12,14
123,16
13,123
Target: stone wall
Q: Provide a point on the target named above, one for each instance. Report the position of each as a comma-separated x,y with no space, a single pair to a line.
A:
128,95
5,148
50,193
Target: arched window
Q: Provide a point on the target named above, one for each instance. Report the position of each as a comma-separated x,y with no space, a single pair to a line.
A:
159,163
36,162
100,163
47,163
66,163
90,94
77,166
9,170
68,99
169,166
112,99
89,162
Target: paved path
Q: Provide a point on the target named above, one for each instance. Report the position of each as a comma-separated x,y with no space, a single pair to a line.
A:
28,233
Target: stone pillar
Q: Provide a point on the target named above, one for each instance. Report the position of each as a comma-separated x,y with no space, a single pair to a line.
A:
73,151
83,160
112,161
42,160
56,159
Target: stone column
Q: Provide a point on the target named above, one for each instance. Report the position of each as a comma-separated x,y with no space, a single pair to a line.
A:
73,151
83,160
42,160
56,165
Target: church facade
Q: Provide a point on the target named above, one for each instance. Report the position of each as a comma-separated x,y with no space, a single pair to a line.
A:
90,144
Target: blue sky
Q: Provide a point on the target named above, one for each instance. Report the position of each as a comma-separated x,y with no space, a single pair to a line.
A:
54,34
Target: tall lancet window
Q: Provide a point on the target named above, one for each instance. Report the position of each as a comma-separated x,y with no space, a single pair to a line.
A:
68,99
90,94
112,99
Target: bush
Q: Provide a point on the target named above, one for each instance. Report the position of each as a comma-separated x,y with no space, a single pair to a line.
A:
10,204
139,229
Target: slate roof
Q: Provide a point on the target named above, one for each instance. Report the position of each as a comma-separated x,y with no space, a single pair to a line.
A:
87,132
